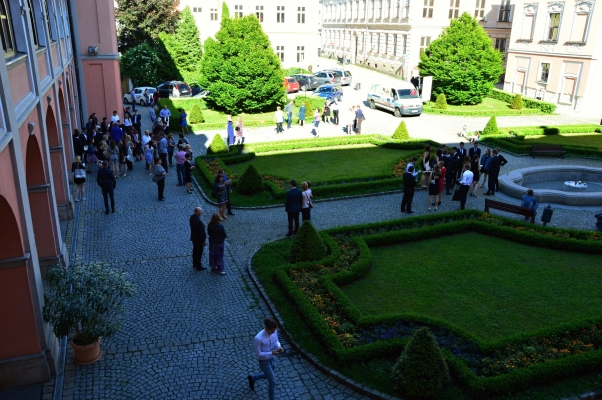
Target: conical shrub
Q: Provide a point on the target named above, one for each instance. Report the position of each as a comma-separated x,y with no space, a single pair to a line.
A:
421,371
196,114
491,127
401,133
250,181
517,102
308,244
217,145
441,103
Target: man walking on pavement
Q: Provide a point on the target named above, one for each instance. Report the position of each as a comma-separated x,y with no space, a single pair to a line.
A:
289,114
359,117
197,237
106,181
279,119
133,96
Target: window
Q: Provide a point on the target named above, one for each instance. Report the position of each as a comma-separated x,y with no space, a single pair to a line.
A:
427,11
238,11
404,49
213,12
500,44
34,28
454,8
280,52
504,11
553,26
51,32
280,14
300,15
395,44
378,43
579,32
380,8
479,11
386,43
197,9
8,43
545,72
300,53
425,41
259,13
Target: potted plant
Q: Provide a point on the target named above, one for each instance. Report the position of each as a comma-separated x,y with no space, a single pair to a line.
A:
85,304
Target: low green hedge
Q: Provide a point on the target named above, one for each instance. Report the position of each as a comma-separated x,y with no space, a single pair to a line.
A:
553,130
509,112
544,107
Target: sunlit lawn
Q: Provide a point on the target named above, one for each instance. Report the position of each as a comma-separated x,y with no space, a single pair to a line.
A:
568,139
488,104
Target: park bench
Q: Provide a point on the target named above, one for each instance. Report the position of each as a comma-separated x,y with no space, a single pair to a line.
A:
547,149
498,205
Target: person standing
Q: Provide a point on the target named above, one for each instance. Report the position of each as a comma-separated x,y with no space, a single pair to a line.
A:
164,114
301,114
197,237
230,130
465,183
106,181
461,151
494,171
307,204
153,115
116,132
266,346
183,120
239,131
133,98
137,121
409,186
114,117
221,193
79,178
147,98
474,150
180,160
163,150
351,120
159,177
502,162
217,237
279,119
359,118
188,173
317,115
156,98
335,112
289,114
294,201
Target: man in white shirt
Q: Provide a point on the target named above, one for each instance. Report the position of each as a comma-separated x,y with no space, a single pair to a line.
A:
465,182
114,117
279,119
412,164
266,346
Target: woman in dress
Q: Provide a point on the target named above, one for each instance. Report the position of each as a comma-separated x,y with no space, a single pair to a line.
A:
485,160
441,181
306,204
127,122
239,131
148,155
426,157
230,129
123,152
159,177
474,168
326,113
434,187
217,236
350,120
317,115
114,158
221,192
301,114
183,121
188,172
79,178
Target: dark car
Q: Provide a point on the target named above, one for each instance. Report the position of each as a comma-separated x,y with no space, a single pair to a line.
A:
195,88
166,89
306,81
329,92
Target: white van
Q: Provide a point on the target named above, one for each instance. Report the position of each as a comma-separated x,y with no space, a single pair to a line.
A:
401,97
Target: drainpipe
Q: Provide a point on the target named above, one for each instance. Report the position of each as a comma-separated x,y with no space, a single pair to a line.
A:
79,72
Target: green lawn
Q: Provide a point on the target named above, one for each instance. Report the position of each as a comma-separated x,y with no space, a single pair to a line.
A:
488,104
215,117
327,164
568,139
488,286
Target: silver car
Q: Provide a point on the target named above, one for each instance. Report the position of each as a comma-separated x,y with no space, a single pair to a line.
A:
327,78
345,76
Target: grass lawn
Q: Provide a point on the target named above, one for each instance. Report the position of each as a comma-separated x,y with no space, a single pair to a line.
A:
488,286
215,117
568,139
326,164
488,104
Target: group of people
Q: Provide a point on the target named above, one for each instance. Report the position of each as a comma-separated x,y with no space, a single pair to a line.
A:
298,202
217,237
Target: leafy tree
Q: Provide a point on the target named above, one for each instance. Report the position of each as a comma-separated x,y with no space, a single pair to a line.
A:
240,68
186,49
491,127
308,244
250,181
217,145
441,102
142,65
462,61
401,133
196,114
517,102
141,21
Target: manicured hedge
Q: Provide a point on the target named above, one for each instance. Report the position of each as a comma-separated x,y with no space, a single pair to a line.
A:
509,112
544,107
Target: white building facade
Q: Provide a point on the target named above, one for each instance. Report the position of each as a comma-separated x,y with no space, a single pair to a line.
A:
291,26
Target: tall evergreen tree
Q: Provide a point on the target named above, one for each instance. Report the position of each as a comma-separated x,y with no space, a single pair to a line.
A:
462,61
240,68
189,48
141,21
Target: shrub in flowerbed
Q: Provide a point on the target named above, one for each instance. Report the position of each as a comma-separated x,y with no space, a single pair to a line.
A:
401,133
491,127
217,146
307,245
250,181
441,103
517,102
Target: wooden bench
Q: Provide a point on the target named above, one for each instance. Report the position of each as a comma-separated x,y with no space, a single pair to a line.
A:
547,149
498,205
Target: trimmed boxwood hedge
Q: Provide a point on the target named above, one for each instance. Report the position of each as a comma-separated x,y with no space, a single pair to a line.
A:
543,106
428,227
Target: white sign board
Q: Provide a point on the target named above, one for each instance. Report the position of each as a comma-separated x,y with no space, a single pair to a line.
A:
427,88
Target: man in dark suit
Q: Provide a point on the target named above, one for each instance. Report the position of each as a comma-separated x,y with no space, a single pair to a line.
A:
474,150
137,121
409,185
197,237
294,199
503,162
461,156
106,180
456,165
494,171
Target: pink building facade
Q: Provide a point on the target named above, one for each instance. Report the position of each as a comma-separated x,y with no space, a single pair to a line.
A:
48,84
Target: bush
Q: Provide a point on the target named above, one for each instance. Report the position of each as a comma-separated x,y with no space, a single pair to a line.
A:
308,245
401,133
441,103
217,145
517,102
421,370
491,127
250,181
545,107
196,114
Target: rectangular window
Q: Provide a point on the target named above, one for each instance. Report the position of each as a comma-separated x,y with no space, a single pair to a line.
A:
479,10
49,22
454,8
259,13
213,13
405,45
280,14
500,44
553,26
386,43
196,9
34,27
300,15
578,34
527,28
300,54
380,8
425,41
395,44
6,30
280,52
427,10
238,11
504,15
545,72
378,43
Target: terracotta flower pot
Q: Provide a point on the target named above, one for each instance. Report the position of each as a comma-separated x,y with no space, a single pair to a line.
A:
88,354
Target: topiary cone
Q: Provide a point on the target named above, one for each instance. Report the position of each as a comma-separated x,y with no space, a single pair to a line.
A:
217,145
196,114
307,245
401,133
491,127
441,103
250,181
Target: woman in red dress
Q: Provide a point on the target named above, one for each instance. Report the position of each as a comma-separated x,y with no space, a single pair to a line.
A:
441,181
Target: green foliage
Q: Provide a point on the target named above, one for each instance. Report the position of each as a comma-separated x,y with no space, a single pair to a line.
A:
307,245
217,145
196,114
142,21
462,61
545,107
421,370
491,127
240,68
166,47
142,65
441,103
225,11
250,182
401,133
517,102
85,302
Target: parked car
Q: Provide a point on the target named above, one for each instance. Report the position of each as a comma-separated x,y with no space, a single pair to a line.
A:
329,92
306,81
291,84
139,91
401,97
345,76
327,77
166,89
203,94
195,88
